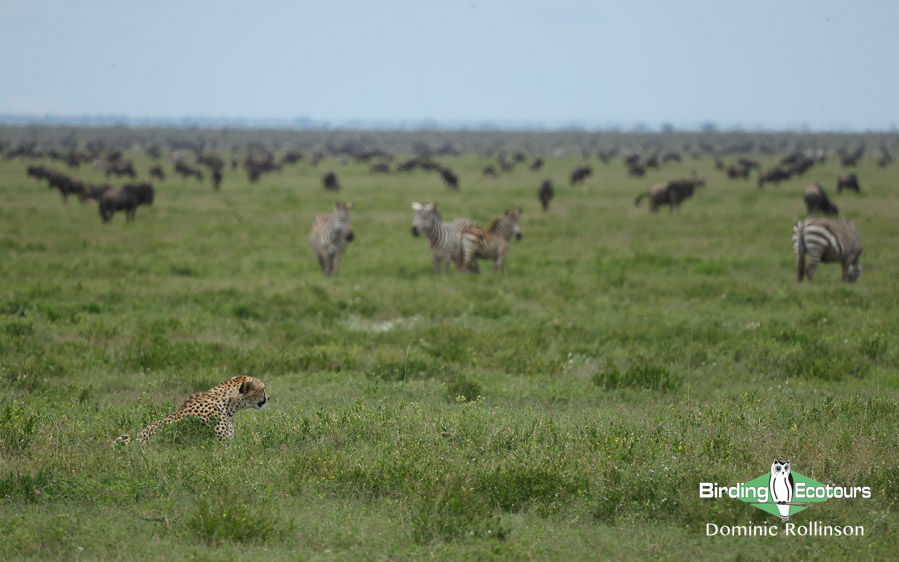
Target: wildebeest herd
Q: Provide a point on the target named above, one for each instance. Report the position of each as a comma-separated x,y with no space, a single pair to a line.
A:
461,241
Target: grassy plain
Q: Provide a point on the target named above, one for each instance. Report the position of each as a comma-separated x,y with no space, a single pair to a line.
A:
568,408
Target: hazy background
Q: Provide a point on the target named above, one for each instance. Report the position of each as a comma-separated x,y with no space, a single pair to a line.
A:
772,64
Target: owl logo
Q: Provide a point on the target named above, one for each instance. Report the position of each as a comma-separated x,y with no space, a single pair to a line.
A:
781,487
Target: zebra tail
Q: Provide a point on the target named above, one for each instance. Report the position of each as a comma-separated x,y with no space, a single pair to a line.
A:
800,256
640,197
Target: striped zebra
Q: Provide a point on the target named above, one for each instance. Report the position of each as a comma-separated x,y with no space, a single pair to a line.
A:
490,244
330,236
827,240
443,237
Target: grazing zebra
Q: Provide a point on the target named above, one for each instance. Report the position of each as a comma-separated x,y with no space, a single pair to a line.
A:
827,240
330,236
489,244
443,237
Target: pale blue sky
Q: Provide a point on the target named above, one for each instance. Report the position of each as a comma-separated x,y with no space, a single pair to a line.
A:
828,64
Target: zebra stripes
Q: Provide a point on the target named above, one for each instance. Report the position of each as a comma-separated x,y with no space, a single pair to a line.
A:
330,236
827,240
490,244
443,237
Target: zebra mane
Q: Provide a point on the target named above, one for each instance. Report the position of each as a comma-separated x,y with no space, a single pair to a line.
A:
495,224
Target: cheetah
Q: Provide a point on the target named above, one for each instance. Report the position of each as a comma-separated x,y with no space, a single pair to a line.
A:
222,401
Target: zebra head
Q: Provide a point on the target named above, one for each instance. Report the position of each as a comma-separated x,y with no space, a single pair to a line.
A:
342,209
425,219
342,214
515,222
853,271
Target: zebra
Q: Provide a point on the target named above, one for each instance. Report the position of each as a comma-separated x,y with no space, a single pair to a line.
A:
827,240
330,236
489,244
443,237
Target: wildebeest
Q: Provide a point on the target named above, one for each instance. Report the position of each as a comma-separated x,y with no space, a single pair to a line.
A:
816,200
56,180
126,198
379,168
121,168
671,156
546,193
95,192
216,179
451,179
848,181
774,175
536,164
737,172
672,193
580,174
329,182
850,159
156,172
637,170
489,171
187,171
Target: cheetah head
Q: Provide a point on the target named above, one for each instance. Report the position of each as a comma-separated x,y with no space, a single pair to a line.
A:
251,394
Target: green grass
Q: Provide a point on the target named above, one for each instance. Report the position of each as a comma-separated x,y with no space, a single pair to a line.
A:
568,408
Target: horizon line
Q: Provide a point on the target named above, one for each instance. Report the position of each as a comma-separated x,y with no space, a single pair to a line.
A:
423,124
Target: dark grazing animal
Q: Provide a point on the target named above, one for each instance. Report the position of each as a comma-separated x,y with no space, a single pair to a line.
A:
816,200
216,178
95,192
121,168
546,193
536,164
490,244
489,171
156,172
379,168
56,180
672,193
580,174
126,198
451,179
848,181
637,170
775,176
187,171
737,172
827,240
329,182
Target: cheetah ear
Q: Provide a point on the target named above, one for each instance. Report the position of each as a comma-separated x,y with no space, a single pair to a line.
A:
247,387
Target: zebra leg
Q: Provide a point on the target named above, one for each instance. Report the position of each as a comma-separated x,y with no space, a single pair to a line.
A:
436,264
812,266
321,262
335,264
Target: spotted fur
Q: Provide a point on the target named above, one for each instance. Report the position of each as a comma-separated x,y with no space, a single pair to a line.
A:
221,401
